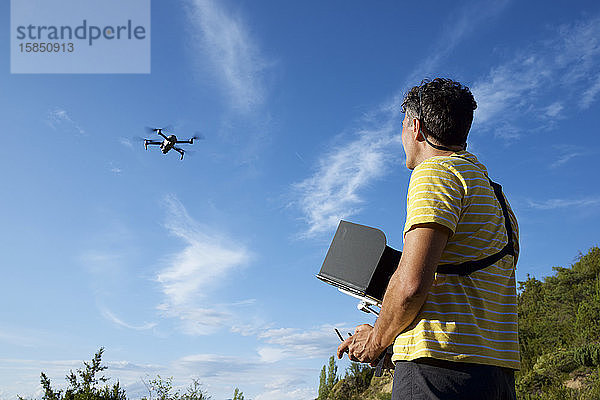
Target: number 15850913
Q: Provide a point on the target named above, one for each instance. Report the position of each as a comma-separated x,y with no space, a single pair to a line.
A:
35,47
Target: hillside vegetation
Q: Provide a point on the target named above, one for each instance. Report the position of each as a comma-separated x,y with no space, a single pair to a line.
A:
559,334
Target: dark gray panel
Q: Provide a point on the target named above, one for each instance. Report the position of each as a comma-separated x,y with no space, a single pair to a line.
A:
353,256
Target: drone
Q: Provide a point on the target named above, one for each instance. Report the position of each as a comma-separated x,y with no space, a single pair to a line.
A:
169,142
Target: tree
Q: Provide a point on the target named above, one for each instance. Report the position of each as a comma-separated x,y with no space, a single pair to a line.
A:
84,384
326,382
359,376
162,389
159,388
237,395
332,377
323,384
195,392
356,381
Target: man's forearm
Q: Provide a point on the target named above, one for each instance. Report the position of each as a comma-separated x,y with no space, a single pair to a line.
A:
410,283
401,304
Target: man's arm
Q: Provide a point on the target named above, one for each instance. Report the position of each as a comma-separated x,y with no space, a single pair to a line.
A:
405,294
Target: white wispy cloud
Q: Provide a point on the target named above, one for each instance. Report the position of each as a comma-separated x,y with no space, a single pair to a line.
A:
552,204
508,86
462,23
109,315
589,95
193,273
577,50
297,343
333,192
110,258
282,391
221,374
564,158
210,365
114,168
236,57
554,109
126,142
569,152
59,119
563,66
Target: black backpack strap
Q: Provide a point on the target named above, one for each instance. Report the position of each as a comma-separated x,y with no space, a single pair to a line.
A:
468,267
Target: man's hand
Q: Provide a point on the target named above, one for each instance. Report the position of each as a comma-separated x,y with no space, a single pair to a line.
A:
361,347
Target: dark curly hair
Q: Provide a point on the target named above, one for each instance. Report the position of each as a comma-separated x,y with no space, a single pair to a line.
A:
444,107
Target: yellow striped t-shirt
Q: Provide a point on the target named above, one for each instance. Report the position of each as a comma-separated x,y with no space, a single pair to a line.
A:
469,318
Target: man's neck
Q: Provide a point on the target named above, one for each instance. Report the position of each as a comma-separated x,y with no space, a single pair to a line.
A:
429,152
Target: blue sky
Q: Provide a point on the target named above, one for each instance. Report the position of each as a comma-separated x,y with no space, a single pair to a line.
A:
205,268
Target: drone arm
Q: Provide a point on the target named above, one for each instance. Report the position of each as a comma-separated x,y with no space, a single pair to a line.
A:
161,134
149,142
180,151
189,141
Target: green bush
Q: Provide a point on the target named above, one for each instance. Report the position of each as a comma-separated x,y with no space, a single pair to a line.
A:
559,332
588,355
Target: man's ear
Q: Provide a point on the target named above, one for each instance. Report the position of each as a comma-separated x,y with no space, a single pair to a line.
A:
416,125
417,133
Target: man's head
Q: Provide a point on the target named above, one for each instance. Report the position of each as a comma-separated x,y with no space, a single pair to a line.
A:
439,113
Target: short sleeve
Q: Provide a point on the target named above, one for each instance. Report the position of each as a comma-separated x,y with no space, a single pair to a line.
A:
435,195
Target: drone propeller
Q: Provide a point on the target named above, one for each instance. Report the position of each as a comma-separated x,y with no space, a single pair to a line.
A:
139,139
164,129
199,136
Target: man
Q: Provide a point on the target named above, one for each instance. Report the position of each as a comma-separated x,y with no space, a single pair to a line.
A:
450,307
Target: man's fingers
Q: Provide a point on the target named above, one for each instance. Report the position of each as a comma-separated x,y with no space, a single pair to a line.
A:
356,344
343,348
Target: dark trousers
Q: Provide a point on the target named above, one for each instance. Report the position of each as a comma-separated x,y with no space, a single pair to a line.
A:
431,379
